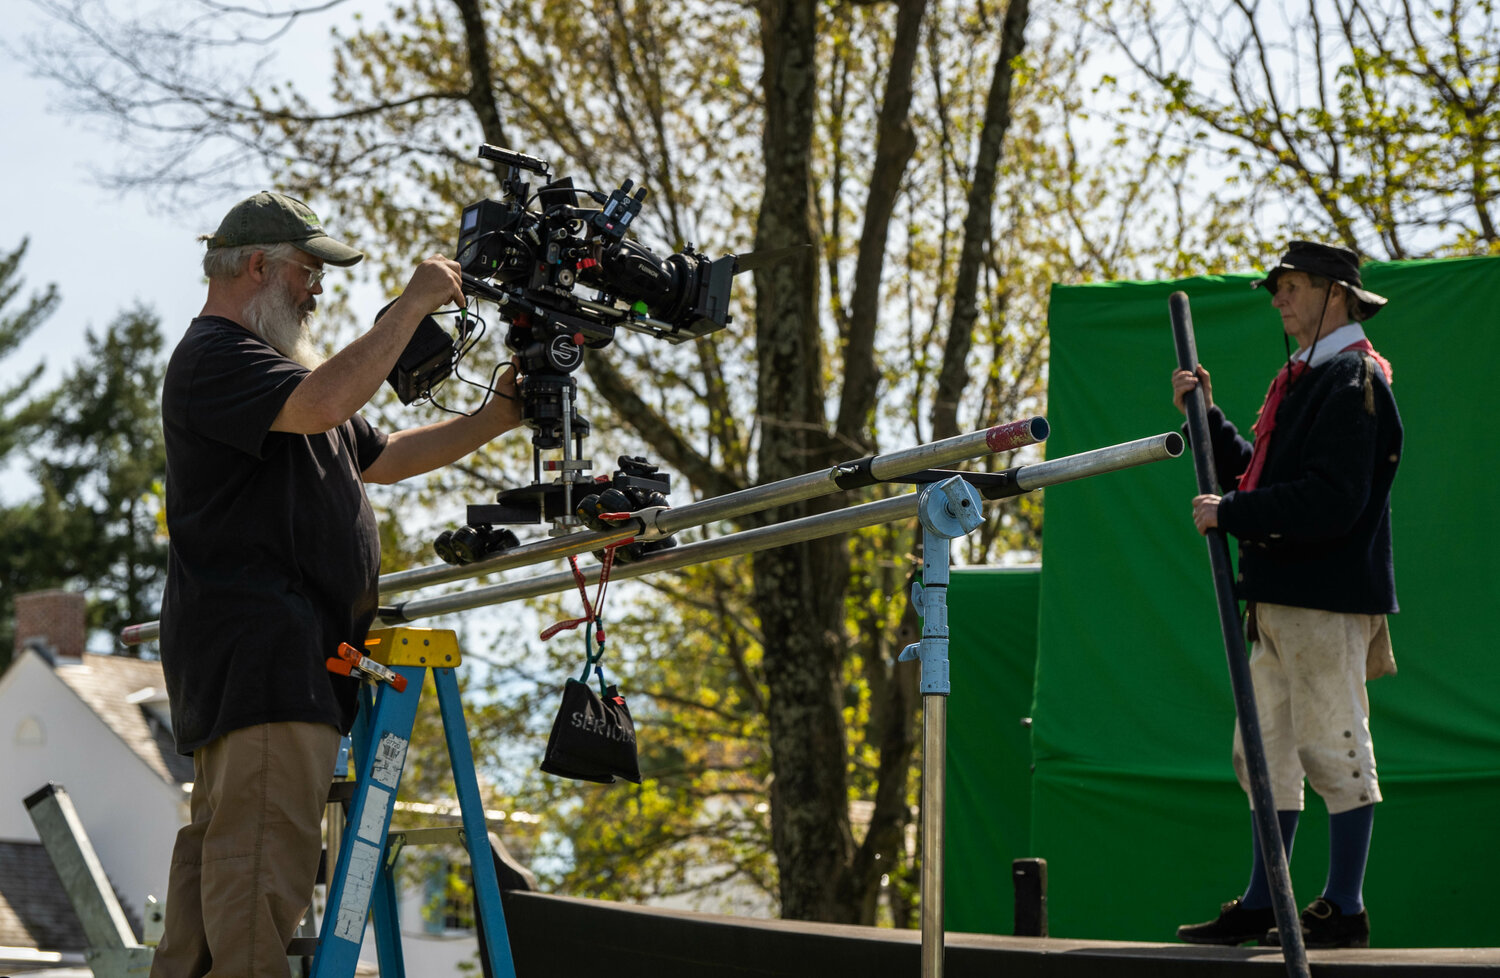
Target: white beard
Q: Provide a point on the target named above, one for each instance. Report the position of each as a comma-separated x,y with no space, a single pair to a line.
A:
272,315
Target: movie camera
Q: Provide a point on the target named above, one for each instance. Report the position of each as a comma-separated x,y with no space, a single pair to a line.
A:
528,254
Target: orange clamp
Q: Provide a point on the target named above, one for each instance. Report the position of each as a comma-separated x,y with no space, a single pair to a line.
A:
355,664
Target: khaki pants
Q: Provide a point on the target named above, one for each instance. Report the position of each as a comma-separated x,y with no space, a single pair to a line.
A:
243,869
1309,670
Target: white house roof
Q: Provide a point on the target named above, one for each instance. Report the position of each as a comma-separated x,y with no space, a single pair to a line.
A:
115,687
34,909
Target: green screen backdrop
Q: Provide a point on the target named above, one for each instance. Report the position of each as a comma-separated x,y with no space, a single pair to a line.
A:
1128,786
992,658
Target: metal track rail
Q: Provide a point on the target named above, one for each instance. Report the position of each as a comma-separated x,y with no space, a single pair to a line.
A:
1026,479
998,438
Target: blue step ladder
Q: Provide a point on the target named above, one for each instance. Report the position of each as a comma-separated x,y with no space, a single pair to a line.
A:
395,664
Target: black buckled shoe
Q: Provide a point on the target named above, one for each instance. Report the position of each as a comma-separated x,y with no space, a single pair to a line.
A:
1234,926
1324,925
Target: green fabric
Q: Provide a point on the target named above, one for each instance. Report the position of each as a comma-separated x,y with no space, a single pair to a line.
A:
1133,802
992,657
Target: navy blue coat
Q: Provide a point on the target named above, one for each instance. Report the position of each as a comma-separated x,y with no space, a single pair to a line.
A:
1316,532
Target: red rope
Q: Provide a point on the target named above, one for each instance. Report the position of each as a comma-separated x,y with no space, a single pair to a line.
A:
592,610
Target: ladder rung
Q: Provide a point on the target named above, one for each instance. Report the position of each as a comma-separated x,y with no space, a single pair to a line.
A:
302,947
426,837
342,792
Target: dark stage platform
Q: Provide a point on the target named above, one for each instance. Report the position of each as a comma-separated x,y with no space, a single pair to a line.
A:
559,936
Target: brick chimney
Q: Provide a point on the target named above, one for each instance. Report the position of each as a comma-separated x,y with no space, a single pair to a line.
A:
53,623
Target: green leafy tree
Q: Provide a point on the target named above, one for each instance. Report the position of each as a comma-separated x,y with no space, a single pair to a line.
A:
918,149
91,451
16,324
1372,121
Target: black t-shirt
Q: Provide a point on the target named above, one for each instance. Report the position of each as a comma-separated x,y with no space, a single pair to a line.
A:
274,552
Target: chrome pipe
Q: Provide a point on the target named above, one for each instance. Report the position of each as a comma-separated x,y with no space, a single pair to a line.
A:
730,545
934,781
973,444
1072,467
1025,477
891,465
1122,456
536,552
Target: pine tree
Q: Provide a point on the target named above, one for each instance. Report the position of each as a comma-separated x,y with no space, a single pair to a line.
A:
16,419
100,463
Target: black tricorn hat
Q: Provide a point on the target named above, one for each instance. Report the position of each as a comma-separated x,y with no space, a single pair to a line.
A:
1331,262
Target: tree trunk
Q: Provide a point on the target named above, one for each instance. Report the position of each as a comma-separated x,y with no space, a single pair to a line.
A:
894,146
954,376
798,590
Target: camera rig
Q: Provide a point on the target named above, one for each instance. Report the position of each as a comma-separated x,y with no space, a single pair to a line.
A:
528,255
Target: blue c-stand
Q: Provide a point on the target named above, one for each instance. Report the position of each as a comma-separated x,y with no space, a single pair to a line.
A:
947,509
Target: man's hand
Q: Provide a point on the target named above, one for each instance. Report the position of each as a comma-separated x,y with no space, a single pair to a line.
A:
508,409
332,393
1184,381
1205,510
436,282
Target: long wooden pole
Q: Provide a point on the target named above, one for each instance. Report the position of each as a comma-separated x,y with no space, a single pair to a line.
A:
1261,799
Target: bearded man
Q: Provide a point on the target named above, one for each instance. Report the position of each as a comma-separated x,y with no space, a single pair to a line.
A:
274,561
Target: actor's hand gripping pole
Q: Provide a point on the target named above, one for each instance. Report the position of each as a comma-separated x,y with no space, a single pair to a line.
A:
947,509
1267,829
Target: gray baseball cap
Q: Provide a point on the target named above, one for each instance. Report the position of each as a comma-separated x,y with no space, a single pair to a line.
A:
272,218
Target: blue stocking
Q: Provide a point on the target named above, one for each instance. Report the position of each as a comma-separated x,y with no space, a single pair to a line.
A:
1258,893
1348,850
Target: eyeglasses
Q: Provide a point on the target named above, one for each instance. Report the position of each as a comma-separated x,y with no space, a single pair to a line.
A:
314,275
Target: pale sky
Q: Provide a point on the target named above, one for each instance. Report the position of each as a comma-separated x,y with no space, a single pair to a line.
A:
105,251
